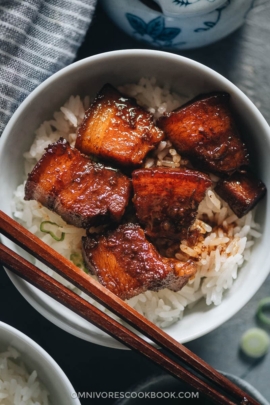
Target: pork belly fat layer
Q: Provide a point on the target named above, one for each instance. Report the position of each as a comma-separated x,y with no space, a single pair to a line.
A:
127,264
82,192
242,191
166,200
116,129
205,131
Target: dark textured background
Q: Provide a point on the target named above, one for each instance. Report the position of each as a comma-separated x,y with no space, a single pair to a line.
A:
244,58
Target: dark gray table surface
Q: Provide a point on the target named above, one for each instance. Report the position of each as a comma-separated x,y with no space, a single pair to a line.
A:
244,58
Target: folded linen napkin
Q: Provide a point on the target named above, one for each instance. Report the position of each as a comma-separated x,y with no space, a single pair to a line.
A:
37,38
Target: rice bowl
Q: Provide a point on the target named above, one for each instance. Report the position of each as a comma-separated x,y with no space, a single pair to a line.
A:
28,375
247,230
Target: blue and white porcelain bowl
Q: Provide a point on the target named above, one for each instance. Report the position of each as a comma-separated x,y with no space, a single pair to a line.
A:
178,24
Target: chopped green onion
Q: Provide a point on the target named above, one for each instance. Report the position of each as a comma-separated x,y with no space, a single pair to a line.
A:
255,342
264,305
77,259
58,239
94,158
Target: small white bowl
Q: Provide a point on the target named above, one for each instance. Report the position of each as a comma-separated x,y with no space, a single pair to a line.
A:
35,358
184,76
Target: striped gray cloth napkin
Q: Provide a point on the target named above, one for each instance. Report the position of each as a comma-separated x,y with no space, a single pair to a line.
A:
37,38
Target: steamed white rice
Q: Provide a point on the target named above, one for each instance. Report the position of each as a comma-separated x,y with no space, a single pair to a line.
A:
17,386
221,250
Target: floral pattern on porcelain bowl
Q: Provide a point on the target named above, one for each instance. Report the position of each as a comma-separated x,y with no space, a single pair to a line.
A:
189,7
177,30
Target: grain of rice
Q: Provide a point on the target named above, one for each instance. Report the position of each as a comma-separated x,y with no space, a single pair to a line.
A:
161,146
161,155
218,241
142,298
255,234
232,218
149,163
176,159
188,251
173,152
217,261
214,200
166,163
255,225
222,215
69,116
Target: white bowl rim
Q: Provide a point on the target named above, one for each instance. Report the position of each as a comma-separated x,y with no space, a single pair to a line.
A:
22,285
45,356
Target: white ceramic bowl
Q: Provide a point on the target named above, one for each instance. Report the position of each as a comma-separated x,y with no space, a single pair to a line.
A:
35,358
184,76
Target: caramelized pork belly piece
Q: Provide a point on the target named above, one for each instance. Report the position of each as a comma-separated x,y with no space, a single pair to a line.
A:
82,192
205,131
166,247
116,129
242,191
166,200
127,264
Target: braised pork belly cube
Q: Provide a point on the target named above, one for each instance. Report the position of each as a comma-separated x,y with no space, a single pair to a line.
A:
242,191
204,130
127,264
116,129
166,200
165,247
82,192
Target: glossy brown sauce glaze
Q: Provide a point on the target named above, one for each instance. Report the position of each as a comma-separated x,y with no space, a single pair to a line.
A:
167,200
82,192
205,131
242,191
128,264
116,129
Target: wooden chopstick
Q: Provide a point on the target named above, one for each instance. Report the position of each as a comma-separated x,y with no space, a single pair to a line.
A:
65,268
100,319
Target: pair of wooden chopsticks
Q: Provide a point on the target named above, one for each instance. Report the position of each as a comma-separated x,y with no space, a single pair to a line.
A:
204,378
